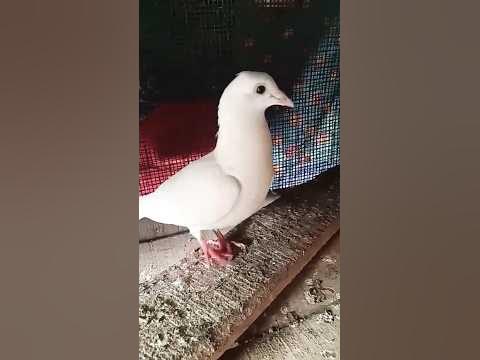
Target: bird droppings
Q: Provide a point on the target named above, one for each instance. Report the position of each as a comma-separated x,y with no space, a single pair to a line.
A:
315,292
329,260
294,318
284,310
327,316
328,354
195,311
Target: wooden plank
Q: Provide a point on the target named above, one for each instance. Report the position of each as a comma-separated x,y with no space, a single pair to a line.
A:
193,311
315,290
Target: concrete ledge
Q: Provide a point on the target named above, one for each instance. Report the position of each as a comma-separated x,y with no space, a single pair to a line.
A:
156,256
150,230
192,311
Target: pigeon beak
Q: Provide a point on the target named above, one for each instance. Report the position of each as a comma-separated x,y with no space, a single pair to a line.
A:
281,99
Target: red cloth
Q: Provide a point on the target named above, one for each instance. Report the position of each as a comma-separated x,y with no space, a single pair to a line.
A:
173,135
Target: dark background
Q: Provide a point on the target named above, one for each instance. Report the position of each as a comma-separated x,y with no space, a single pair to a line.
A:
192,48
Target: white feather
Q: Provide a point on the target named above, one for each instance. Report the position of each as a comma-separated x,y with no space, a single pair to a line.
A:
231,183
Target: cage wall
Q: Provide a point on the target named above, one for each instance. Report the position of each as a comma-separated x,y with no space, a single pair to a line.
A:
189,52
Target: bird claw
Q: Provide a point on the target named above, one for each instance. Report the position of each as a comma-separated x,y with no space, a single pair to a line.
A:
220,257
239,245
219,250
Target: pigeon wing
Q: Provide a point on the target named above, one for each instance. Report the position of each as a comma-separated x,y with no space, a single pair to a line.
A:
198,195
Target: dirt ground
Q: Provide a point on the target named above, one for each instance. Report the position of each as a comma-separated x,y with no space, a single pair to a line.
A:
304,321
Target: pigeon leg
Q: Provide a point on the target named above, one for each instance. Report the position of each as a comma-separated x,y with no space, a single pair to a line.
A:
211,253
204,247
224,243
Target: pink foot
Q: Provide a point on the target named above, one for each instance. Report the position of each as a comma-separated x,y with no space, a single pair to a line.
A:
219,251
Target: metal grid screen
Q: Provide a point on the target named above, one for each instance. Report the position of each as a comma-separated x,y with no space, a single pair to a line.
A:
190,50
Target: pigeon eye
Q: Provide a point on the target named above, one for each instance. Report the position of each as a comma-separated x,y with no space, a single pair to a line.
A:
260,89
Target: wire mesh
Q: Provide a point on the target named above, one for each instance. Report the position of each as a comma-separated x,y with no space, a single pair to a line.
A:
190,50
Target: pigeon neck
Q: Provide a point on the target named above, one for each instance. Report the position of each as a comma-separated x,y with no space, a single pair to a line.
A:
243,139
237,121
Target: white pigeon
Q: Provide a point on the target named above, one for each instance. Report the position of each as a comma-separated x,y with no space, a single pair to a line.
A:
231,183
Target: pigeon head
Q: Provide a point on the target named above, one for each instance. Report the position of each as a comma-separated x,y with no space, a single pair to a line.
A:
254,90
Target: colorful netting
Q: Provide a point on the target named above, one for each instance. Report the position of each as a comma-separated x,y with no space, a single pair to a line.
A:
190,50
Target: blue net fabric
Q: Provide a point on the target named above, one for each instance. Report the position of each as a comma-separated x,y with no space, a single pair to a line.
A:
306,141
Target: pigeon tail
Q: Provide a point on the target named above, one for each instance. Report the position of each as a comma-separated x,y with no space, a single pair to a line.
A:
147,208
